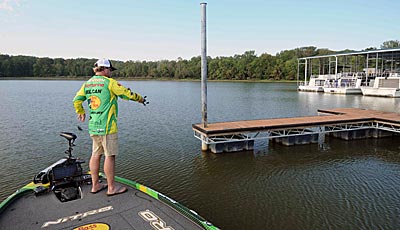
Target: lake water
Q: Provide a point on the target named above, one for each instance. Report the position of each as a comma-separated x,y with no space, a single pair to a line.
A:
345,185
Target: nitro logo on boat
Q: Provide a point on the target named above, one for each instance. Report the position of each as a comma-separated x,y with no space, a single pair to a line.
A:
77,216
155,221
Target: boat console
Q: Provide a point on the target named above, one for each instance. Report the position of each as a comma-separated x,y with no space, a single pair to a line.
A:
65,176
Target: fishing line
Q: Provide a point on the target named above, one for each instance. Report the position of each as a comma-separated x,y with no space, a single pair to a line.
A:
163,125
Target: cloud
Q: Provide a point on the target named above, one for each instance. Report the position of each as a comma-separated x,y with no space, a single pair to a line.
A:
9,5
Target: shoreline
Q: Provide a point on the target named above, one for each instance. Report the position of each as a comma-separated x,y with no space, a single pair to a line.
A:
140,79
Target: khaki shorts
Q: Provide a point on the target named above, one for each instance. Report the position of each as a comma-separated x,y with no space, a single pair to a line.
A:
107,144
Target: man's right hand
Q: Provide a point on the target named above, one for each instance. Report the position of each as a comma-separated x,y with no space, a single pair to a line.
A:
81,117
144,101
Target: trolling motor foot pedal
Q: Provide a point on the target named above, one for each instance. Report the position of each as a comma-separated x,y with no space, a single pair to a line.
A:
40,190
87,179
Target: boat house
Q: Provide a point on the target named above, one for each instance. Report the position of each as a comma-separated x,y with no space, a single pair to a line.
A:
370,72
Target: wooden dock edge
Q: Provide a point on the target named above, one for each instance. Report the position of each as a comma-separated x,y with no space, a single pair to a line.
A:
343,123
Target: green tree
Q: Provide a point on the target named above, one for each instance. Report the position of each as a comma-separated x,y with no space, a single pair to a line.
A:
240,66
43,67
390,44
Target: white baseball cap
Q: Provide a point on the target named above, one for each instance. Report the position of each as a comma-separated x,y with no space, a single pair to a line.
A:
105,63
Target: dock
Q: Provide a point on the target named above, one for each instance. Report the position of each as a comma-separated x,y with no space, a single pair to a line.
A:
343,123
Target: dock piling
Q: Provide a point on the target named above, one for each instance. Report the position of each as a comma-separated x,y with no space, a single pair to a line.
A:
204,145
204,64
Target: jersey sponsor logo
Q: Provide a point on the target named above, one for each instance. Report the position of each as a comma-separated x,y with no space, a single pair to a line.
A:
93,226
77,216
94,85
97,80
155,221
95,102
91,91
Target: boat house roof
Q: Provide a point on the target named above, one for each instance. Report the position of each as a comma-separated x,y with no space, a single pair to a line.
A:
365,52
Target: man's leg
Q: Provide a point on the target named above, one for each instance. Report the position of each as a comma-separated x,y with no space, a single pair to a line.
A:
109,170
94,163
111,150
94,166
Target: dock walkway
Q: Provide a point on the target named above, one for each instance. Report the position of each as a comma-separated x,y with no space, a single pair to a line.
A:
331,120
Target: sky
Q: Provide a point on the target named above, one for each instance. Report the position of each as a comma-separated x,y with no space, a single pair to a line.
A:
152,30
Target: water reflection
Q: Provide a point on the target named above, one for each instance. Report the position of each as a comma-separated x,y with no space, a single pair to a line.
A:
304,187
314,101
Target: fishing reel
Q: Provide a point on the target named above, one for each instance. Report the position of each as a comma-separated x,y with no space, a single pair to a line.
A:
145,102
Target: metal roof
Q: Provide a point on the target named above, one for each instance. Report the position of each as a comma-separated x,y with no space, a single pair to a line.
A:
354,53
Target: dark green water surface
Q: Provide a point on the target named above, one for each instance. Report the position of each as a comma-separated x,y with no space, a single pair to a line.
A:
345,185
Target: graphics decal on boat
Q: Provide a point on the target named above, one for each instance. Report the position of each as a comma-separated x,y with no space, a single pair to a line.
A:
94,226
155,221
77,216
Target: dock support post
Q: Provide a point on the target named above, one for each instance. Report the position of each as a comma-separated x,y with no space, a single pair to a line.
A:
204,145
321,137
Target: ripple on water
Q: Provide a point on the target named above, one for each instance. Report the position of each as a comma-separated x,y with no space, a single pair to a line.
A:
345,185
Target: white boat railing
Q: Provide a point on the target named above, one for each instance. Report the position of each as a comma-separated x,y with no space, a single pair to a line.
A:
346,79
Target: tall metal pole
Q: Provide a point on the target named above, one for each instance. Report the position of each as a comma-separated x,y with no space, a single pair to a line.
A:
203,5
203,64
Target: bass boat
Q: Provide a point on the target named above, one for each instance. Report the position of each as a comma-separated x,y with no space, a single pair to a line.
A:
59,197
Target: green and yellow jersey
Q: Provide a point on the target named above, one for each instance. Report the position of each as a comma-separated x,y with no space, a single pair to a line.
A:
102,94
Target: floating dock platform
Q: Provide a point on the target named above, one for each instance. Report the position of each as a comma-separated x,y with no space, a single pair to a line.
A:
344,123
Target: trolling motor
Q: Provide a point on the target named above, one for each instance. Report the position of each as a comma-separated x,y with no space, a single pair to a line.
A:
71,139
65,176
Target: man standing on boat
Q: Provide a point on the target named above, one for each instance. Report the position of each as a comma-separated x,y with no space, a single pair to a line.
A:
102,93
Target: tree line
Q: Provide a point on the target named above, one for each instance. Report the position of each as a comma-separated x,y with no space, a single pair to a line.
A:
246,66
